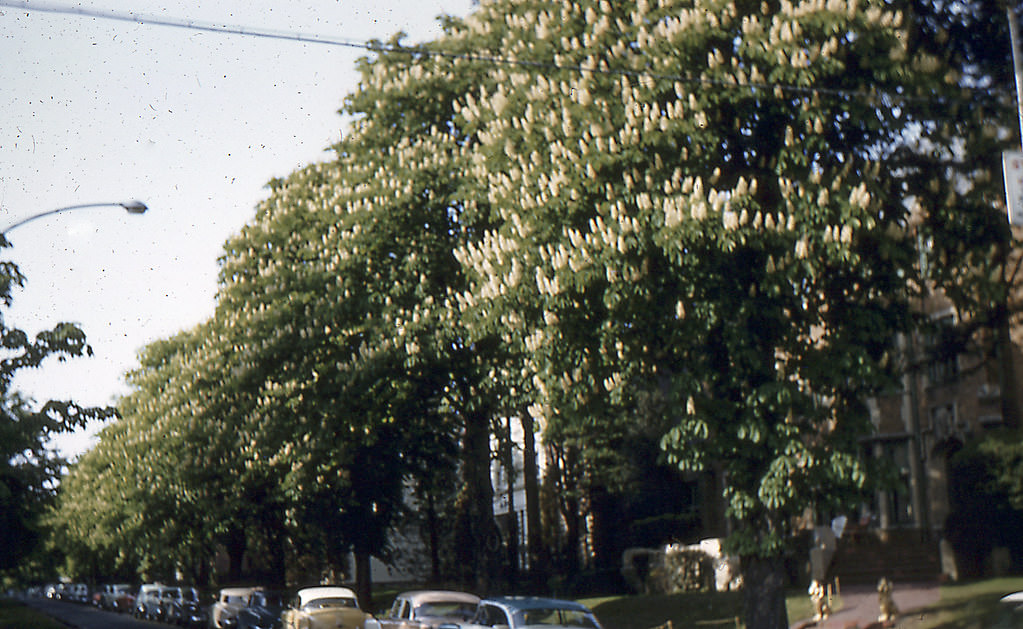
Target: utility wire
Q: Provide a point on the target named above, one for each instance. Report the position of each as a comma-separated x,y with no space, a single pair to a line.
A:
313,38
195,25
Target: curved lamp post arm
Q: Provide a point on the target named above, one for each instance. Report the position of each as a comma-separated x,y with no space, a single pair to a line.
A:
133,207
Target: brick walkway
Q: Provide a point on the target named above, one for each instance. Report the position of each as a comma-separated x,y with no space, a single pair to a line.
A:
860,607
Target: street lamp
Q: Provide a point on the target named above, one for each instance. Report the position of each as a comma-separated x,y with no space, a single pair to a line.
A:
133,207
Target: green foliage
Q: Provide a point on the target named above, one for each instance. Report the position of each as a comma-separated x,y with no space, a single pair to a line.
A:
1004,456
696,222
950,170
668,223
29,465
133,497
985,499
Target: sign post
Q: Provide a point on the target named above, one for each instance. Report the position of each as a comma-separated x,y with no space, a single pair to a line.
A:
1012,167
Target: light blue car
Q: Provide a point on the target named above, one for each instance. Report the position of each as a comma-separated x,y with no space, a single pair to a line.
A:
517,612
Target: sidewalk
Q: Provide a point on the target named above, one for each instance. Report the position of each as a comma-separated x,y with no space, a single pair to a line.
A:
860,607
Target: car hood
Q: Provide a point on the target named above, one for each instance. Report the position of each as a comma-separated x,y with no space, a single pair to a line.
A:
438,620
335,618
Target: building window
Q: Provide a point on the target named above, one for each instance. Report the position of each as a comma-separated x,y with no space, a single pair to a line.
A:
898,499
943,357
944,421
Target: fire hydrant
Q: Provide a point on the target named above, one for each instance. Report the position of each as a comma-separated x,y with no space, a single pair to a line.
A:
886,601
819,598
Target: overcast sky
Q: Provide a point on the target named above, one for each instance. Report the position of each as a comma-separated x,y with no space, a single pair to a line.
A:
193,123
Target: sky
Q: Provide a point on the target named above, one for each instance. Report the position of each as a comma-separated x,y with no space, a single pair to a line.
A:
193,123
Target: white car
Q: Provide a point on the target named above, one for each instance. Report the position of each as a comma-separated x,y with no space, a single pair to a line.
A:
79,592
147,601
224,613
428,609
326,607
517,612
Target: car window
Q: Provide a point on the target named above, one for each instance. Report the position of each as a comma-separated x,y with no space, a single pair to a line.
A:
491,616
395,611
274,599
330,603
451,609
554,616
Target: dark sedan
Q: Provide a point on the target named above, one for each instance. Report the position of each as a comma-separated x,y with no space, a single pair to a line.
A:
263,611
185,609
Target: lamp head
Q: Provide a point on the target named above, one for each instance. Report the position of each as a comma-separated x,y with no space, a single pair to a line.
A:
134,207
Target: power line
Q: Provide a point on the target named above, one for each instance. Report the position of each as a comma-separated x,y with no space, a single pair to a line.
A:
211,27
196,25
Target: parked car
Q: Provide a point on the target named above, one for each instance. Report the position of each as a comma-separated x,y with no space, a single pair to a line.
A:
224,613
263,610
516,612
78,593
113,597
325,607
428,609
184,608
165,599
125,601
147,601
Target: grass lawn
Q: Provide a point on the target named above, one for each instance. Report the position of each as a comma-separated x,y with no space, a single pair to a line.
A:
14,615
961,606
704,610
972,605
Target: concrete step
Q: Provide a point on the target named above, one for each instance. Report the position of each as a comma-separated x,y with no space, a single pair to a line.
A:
867,557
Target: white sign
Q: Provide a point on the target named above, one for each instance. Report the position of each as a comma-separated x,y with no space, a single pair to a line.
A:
1012,168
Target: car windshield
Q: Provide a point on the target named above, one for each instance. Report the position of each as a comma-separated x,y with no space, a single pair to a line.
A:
328,603
555,617
451,609
264,599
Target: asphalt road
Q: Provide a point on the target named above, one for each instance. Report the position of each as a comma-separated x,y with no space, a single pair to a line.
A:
88,617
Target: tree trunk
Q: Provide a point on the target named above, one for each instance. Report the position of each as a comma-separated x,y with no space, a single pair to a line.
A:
235,547
763,593
432,526
538,560
573,518
364,581
481,531
1010,397
277,551
605,531
512,533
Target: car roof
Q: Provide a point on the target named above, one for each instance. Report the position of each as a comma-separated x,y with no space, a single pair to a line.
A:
535,602
323,591
235,591
431,596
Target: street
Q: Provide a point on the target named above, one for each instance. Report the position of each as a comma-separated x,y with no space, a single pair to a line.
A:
86,616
